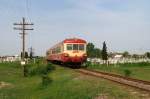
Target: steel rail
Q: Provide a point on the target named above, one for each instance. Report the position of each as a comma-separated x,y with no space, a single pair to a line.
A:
140,84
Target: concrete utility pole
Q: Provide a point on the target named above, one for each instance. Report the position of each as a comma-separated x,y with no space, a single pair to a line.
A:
23,28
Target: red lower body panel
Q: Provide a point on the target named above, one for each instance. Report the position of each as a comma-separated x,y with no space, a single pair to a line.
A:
67,59
74,59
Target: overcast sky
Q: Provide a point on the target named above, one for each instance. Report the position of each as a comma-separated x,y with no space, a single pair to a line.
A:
123,24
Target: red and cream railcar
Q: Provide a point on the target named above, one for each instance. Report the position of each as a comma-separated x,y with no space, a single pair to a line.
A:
71,50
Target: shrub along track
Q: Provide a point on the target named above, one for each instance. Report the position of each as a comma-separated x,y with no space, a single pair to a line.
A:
140,84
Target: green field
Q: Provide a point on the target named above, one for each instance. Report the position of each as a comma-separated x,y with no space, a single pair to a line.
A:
137,70
65,84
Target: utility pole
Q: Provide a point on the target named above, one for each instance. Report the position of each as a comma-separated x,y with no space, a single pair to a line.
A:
23,27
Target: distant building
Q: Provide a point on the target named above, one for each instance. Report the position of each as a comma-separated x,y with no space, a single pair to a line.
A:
10,58
119,56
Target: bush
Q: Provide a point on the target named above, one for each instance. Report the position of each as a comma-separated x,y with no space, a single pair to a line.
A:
87,64
127,73
45,80
37,70
49,67
41,69
25,70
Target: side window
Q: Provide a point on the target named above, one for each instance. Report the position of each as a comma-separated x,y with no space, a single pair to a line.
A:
58,50
53,52
47,53
75,46
81,47
69,46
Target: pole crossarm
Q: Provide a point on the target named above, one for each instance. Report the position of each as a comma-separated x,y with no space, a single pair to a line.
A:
23,24
16,28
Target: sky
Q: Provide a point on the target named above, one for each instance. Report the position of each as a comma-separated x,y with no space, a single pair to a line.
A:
123,24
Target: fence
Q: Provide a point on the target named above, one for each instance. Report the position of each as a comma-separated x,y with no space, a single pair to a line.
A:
116,60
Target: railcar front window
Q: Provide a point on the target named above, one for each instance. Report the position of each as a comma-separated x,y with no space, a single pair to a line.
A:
75,46
69,46
81,47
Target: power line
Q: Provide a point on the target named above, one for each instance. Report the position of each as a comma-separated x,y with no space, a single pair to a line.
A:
27,9
28,15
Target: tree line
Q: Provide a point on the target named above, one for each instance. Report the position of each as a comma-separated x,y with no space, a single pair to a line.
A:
28,55
94,52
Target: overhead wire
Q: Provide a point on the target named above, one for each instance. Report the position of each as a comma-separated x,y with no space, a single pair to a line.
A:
28,6
28,16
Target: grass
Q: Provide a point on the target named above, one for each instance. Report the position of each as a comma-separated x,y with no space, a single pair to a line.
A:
66,84
137,70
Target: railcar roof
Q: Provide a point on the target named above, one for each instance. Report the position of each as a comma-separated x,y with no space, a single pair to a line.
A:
74,40
69,40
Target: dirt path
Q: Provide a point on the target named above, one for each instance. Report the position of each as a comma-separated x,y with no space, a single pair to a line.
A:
4,84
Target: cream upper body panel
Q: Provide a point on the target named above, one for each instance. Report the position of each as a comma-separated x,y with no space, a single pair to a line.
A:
75,52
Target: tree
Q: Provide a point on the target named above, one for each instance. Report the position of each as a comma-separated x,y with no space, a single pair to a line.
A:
97,53
125,54
93,52
90,48
104,52
26,55
147,54
135,56
31,55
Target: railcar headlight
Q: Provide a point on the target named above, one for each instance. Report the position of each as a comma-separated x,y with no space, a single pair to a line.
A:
66,55
85,55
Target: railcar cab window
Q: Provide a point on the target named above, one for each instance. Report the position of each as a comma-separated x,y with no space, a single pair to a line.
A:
75,46
81,47
69,46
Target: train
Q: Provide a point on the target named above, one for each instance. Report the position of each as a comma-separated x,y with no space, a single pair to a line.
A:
69,51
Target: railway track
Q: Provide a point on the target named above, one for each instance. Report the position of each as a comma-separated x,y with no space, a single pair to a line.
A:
140,84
